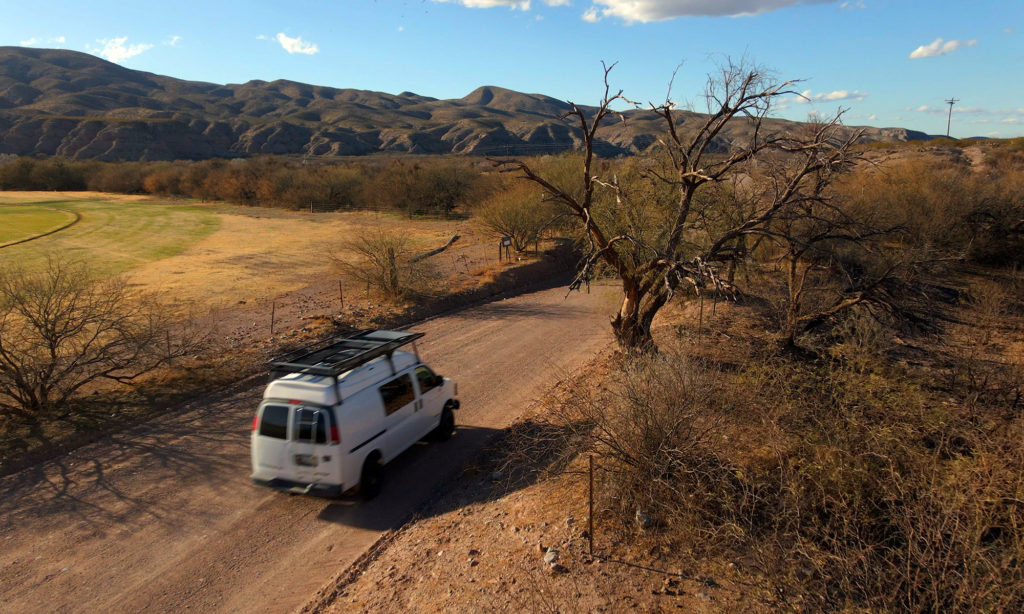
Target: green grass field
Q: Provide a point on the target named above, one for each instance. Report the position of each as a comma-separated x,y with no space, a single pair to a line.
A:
19,222
113,236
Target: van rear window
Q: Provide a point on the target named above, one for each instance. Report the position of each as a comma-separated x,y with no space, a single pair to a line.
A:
274,422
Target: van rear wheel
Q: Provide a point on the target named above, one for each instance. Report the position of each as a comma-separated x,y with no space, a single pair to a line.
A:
446,427
370,478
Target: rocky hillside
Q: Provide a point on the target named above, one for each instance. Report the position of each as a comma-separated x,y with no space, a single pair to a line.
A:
58,102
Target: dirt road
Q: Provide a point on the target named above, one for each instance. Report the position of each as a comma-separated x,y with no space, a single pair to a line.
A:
163,517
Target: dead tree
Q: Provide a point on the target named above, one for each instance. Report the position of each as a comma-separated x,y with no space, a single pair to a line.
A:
700,234
61,330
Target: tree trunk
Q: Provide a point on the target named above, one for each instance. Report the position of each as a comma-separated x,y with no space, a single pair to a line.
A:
633,334
632,325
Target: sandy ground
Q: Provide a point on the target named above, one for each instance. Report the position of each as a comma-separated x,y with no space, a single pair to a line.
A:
162,517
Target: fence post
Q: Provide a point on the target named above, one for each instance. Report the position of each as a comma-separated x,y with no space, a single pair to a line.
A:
590,513
341,294
700,319
273,313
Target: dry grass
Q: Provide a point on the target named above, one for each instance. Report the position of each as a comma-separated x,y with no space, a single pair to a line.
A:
253,253
879,476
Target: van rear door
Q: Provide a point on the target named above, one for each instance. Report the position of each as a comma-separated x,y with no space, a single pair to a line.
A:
270,441
308,441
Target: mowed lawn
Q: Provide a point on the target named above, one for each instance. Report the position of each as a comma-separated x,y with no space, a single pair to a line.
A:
18,222
114,235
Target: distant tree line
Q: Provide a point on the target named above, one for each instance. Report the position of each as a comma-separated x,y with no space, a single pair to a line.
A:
426,186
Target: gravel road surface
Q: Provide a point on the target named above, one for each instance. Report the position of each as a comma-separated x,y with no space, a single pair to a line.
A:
163,518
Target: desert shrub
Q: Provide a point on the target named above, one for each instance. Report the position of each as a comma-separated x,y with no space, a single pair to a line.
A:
844,485
120,177
165,179
943,211
385,260
50,174
62,330
16,174
996,221
518,211
1008,153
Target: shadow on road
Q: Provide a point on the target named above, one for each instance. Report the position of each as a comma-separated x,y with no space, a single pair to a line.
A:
477,465
205,447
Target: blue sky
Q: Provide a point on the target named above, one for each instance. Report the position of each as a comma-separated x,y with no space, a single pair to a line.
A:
890,62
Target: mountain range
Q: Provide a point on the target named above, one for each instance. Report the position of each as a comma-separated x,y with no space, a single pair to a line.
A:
72,104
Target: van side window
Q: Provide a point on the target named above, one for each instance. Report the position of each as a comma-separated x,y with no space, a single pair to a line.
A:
274,422
304,425
397,393
426,378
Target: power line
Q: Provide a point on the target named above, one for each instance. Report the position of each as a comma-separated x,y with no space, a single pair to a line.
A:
950,102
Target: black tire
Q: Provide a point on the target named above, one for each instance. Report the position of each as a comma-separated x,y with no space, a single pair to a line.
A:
371,478
444,429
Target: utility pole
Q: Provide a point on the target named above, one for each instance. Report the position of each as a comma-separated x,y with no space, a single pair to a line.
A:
950,102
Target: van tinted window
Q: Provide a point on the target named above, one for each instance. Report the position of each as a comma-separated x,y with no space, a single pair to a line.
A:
397,393
274,422
305,419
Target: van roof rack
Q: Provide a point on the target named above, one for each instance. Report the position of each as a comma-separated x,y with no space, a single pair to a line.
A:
340,354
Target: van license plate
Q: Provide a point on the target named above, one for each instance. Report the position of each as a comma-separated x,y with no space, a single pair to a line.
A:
305,460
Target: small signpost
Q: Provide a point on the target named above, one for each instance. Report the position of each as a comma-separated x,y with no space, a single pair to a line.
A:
506,245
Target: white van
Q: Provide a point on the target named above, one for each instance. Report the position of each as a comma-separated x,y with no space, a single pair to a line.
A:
334,414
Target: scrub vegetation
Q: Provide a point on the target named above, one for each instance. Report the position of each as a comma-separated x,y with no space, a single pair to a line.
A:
820,394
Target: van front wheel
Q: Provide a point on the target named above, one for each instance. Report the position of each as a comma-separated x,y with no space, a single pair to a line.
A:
446,427
370,478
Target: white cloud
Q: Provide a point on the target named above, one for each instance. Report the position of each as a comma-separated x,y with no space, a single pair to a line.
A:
1010,120
262,37
296,45
54,41
115,49
939,47
849,6
896,118
557,2
806,96
522,5
660,10
173,41
872,117
1008,30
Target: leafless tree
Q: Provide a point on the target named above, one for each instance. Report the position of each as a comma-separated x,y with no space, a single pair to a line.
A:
62,330
701,232
385,260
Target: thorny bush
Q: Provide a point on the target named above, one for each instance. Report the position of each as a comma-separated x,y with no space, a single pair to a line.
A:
839,485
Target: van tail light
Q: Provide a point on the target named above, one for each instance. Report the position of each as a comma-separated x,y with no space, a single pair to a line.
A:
334,434
255,421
